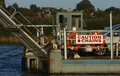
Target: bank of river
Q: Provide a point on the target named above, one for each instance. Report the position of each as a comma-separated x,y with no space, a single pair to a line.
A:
9,40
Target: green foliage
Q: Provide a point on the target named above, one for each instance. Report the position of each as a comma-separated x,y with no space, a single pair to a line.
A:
114,10
34,8
2,3
100,13
4,32
96,23
86,6
95,19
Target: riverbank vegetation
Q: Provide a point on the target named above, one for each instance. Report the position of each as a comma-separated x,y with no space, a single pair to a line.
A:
9,39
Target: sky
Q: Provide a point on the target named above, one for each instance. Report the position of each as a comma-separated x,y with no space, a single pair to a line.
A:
102,4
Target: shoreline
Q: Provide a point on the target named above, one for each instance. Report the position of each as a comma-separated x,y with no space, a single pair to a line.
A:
9,40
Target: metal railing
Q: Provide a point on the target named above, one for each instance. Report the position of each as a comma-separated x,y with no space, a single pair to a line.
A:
23,33
115,44
20,24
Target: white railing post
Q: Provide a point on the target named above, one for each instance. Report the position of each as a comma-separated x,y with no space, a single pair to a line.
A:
117,49
42,37
111,36
65,46
38,35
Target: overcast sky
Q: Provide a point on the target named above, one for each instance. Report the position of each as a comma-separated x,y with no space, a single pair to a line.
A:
102,4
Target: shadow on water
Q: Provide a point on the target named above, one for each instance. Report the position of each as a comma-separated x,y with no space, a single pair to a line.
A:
83,74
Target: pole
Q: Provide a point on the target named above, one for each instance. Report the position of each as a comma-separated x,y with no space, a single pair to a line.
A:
42,37
117,49
38,35
82,19
111,36
65,46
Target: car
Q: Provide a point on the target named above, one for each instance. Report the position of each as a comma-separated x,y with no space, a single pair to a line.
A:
102,49
116,36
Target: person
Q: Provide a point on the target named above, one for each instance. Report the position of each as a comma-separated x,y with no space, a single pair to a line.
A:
73,50
72,47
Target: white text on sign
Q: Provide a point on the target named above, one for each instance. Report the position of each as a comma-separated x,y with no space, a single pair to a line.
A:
89,39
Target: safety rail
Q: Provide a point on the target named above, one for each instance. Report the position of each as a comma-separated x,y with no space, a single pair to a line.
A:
64,39
9,21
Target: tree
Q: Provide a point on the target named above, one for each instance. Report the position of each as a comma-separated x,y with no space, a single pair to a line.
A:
113,9
34,8
99,13
86,6
2,3
15,5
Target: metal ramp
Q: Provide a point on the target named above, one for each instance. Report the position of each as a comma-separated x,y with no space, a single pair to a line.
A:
9,22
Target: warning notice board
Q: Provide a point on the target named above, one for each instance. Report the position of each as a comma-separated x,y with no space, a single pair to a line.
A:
89,39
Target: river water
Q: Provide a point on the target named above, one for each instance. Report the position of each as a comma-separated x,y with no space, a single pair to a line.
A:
10,63
10,60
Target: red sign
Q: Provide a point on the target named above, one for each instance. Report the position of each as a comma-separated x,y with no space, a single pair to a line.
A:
89,39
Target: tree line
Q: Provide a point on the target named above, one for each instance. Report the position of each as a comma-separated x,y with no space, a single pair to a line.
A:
94,18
